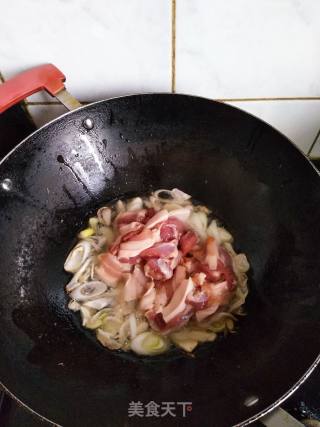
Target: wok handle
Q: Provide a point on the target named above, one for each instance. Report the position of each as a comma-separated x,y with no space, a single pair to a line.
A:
44,77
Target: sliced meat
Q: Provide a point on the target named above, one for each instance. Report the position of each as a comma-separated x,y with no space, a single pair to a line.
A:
125,229
155,320
166,268
181,319
199,278
135,284
111,268
178,301
131,289
218,293
106,277
131,216
114,248
199,253
191,265
225,257
180,274
203,314
159,217
169,288
211,276
160,250
228,274
137,244
147,301
187,242
158,324
175,258
181,214
198,299
161,298
149,214
110,261
138,273
180,226
131,261
158,269
212,253
168,232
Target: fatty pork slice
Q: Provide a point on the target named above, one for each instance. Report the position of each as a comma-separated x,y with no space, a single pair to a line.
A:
158,269
182,214
138,243
130,216
135,284
218,295
158,324
212,253
177,303
159,217
109,269
147,301
161,250
188,241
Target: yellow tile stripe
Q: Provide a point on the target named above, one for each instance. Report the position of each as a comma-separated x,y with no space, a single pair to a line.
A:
173,45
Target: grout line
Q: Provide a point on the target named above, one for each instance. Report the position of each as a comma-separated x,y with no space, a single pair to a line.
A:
283,98
313,143
173,45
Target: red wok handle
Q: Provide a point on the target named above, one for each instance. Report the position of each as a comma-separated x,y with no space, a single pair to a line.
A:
44,77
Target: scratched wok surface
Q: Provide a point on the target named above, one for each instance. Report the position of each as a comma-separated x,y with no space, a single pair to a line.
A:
257,183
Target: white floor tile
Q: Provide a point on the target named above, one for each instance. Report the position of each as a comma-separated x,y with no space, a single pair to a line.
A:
104,47
248,48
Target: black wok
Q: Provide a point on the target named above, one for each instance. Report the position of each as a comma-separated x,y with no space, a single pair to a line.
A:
261,187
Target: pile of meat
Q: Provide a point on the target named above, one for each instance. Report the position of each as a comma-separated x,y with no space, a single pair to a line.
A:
164,266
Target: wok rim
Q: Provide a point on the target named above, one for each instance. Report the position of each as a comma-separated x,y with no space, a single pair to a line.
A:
196,97
316,362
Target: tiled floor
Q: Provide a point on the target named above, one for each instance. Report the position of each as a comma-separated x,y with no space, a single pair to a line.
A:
261,56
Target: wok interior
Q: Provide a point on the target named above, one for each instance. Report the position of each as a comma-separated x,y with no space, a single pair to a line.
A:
260,187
